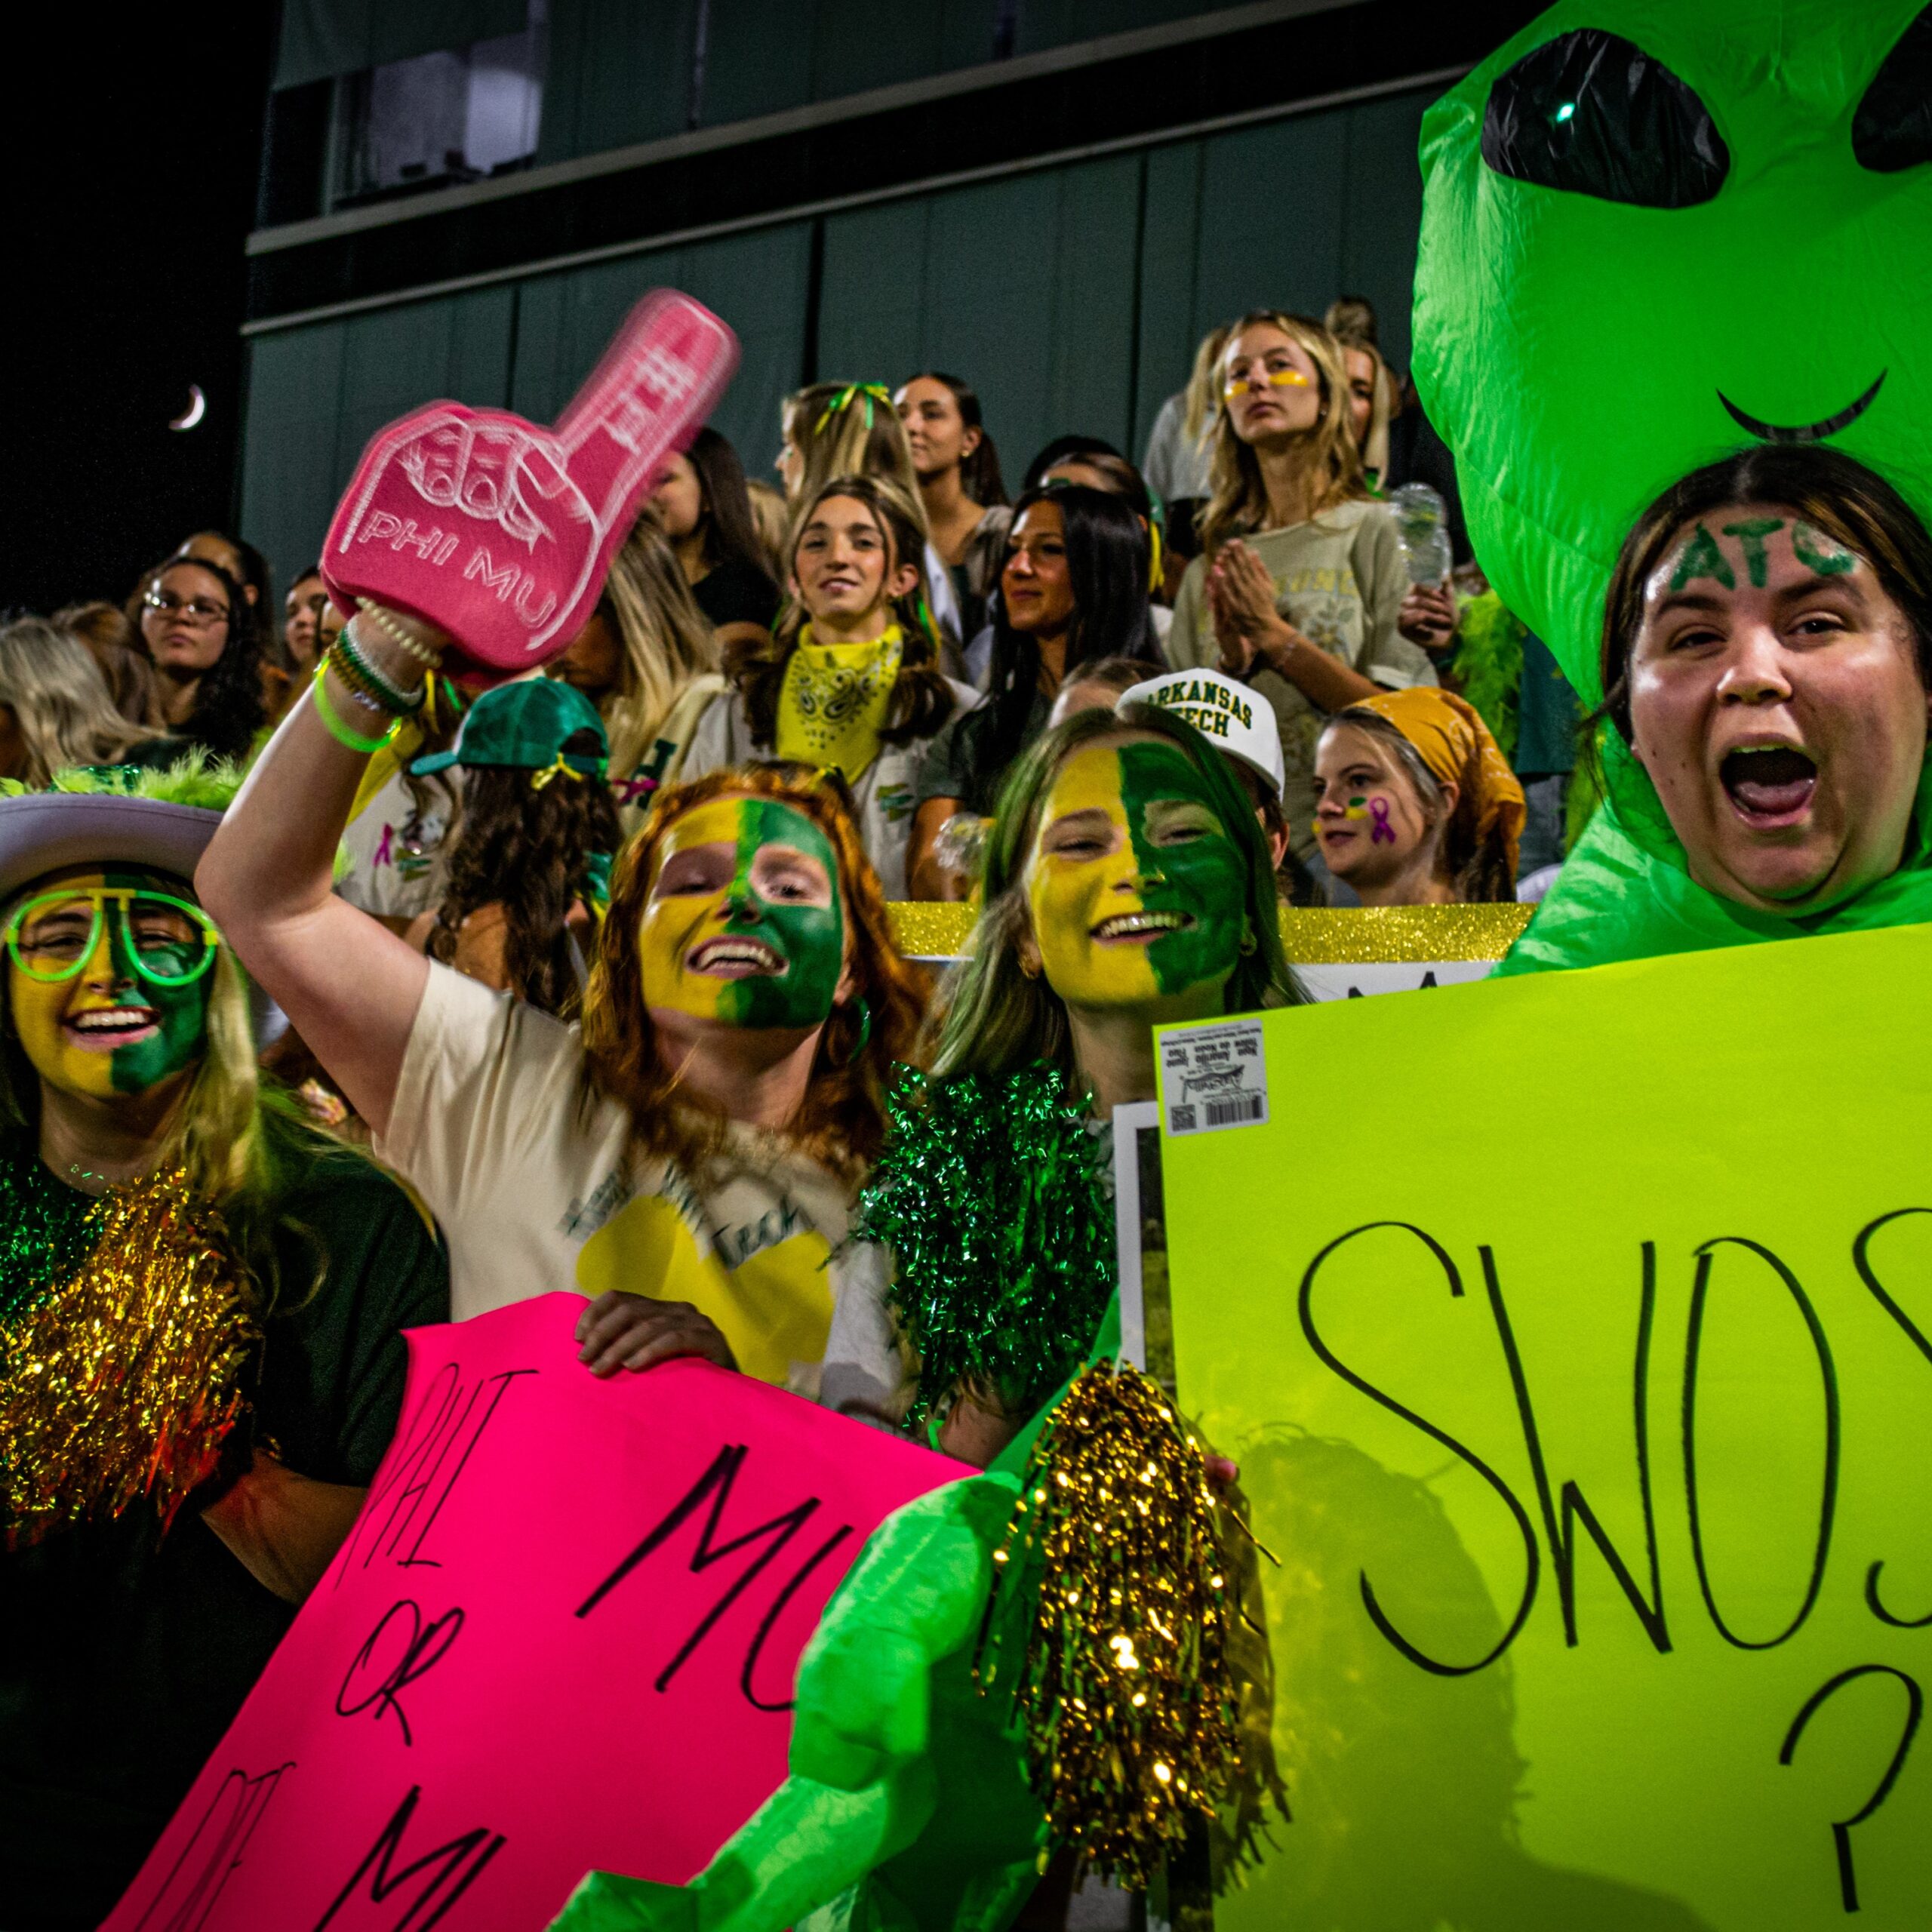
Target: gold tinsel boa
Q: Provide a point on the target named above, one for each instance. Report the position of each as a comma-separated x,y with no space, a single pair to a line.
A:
1113,1579
123,1378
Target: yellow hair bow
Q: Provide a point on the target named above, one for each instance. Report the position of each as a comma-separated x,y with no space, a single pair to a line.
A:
872,392
558,767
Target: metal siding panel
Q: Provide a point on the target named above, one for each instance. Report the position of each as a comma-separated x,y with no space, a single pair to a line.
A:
1092,331
1170,324
288,481
756,282
872,314
322,39
992,288
1271,220
1382,221
619,73
850,52
758,60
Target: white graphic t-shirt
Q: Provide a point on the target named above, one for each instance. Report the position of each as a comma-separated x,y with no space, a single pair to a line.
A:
537,1187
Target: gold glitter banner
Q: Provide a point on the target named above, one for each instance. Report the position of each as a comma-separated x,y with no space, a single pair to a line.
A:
1318,935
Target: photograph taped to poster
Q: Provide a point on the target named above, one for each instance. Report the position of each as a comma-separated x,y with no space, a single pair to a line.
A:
1595,1475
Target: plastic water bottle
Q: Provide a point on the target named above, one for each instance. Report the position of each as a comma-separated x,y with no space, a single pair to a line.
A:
1420,518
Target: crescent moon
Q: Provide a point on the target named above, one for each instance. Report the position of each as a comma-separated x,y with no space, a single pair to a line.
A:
198,407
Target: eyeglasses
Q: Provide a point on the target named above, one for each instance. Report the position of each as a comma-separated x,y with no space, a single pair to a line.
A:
169,942
197,610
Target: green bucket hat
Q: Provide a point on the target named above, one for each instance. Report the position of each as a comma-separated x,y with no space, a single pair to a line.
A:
525,725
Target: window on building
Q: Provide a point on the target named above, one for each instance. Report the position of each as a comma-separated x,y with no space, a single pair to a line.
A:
440,118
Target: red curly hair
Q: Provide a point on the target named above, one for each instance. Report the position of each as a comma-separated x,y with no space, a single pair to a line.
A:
842,1122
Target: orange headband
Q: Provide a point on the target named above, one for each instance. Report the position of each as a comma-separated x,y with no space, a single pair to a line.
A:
1453,741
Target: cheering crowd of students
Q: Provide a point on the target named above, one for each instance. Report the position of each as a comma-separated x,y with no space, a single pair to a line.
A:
599,963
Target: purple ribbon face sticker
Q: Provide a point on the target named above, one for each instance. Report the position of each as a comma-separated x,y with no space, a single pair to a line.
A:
1381,831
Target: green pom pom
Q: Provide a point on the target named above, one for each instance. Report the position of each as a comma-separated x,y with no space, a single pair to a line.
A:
46,1232
991,1194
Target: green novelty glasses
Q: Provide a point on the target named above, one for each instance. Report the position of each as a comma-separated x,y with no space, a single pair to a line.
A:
168,942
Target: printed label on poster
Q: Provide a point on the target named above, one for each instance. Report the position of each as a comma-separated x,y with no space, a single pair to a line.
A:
1214,1076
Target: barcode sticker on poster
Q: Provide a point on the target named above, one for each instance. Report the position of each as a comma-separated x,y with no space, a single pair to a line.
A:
1212,1077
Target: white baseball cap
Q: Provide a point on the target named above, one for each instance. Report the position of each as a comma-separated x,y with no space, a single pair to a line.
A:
1238,722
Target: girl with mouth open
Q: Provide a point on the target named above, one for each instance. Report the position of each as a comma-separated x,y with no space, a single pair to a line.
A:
850,679
1126,882
200,1361
686,1158
1766,657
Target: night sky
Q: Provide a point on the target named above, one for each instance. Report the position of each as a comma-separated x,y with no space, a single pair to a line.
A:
130,143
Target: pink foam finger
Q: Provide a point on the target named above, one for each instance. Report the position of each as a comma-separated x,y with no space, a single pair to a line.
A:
500,532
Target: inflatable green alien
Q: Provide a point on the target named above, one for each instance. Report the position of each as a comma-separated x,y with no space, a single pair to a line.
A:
1654,233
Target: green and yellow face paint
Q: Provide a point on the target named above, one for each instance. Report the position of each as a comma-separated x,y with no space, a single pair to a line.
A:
1136,890
743,926
108,981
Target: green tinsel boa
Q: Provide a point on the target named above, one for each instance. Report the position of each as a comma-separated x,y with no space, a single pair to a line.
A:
46,1232
1489,665
990,1195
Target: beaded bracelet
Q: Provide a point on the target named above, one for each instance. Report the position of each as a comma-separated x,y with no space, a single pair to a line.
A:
369,695
337,730
358,667
426,655
351,681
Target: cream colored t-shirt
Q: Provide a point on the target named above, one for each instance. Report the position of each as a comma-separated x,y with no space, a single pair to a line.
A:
1339,580
397,858
537,1189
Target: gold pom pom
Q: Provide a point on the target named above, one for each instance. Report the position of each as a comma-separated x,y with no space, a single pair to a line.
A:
122,1380
1129,1705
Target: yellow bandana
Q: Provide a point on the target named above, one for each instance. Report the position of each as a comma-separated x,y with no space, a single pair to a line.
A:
834,700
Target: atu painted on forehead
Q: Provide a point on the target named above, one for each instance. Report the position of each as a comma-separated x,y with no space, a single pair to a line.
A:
1653,234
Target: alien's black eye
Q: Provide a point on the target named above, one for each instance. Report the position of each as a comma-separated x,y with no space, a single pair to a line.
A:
1892,127
1594,114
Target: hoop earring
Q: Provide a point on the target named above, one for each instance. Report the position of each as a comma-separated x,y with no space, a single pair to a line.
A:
1248,941
1030,967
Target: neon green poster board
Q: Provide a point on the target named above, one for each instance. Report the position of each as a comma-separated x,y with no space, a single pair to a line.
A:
1573,1335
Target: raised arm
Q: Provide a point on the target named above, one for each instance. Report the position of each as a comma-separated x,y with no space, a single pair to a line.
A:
349,986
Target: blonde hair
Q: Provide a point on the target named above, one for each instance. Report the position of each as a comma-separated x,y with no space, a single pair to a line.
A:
838,429
1239,504
59,700
666,644
771,518
1374,447
1202,398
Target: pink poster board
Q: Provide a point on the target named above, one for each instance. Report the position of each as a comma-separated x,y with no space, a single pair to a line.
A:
561,1635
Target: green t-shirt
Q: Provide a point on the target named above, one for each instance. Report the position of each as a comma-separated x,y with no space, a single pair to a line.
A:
124,1655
